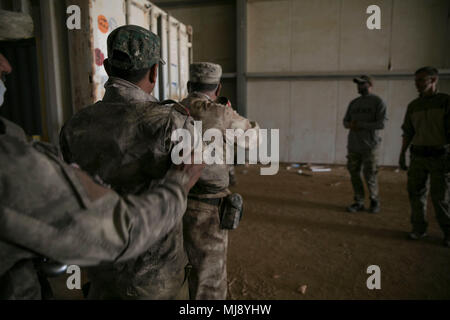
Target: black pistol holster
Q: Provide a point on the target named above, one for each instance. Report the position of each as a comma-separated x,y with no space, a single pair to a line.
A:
49,268
231,211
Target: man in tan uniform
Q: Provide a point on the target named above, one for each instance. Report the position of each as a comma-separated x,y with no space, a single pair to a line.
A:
426,128
205,242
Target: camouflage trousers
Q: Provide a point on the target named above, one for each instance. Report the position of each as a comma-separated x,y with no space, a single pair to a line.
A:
206,246
434,172
110,291
368,163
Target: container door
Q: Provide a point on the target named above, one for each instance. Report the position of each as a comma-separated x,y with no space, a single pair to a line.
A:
183,49
106,16
173,26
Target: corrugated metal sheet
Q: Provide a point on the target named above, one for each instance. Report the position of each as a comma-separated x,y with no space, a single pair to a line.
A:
22,101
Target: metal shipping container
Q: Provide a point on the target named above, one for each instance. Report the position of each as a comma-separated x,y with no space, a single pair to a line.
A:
87,47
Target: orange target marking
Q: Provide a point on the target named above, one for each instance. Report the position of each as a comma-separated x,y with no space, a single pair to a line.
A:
103,24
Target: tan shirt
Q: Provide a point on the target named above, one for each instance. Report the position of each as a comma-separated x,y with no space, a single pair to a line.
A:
427,121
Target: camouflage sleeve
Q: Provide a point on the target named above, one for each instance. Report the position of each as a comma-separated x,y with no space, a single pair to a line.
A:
407,127
116,229
59,212
154,214
235,121
181,119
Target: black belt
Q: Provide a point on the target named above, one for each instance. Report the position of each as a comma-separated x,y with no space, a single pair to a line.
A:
426,151
211,201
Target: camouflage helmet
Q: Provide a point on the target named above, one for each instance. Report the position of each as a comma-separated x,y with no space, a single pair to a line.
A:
205,72
133,48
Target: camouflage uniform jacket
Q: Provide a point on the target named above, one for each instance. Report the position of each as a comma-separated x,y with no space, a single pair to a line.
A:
125,139
12,129
49,209
214,180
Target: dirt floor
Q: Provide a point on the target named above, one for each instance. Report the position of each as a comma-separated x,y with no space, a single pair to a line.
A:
295,234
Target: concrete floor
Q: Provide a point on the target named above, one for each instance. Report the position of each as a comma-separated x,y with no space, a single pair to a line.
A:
295,235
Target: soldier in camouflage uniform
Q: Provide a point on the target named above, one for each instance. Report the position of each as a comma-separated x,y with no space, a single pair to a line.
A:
51,210
206,243
364,117
426,128
59,212
125,139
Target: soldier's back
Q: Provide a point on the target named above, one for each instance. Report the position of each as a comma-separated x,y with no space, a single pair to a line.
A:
125,144
128,145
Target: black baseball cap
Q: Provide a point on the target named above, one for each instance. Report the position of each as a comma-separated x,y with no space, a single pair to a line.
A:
363,79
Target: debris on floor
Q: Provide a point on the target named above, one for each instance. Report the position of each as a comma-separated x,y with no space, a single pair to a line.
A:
302,289
300,172
335,184
319,169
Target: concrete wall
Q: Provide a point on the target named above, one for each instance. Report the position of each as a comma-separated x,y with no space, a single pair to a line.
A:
330,36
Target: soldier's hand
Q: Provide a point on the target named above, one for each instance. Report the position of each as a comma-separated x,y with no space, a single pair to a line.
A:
192,170
402,161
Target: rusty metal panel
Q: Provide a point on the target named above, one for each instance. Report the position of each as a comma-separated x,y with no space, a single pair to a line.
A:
173,26
165,80
158,23
154,28
81,58
183,56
